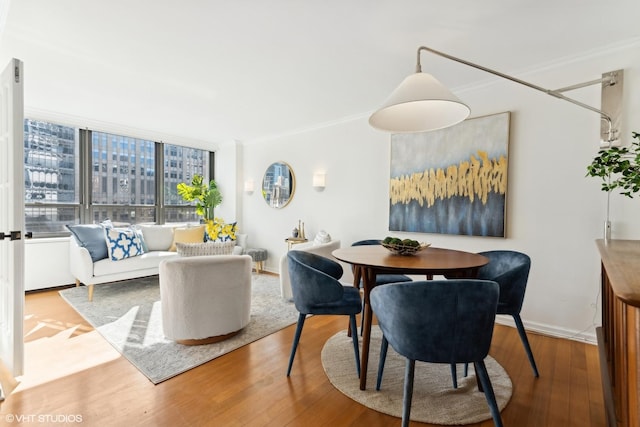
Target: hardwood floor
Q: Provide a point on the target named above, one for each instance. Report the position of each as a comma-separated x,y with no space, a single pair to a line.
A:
248,387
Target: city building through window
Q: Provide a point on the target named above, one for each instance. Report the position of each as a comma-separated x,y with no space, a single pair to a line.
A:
119,176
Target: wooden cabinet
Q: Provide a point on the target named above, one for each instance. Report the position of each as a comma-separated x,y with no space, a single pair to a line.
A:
619,335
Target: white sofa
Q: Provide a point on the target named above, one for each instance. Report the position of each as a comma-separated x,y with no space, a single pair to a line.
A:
322,249
158,239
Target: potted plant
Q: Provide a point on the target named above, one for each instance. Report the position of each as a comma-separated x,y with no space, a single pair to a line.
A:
619,168
206,196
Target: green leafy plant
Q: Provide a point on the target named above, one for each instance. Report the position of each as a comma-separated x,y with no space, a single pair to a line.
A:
618,167
206,196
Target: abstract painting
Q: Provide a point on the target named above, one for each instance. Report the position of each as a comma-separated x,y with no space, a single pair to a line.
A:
451,181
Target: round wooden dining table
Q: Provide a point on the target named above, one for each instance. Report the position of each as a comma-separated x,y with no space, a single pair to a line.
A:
371,260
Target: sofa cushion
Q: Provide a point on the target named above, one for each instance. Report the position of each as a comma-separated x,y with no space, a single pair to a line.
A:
136,229
241,240
187,235
149,260
157,237
122,243
91,237
208,248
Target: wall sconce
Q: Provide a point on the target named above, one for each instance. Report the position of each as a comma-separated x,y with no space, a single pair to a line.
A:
319,181
421,103
248,186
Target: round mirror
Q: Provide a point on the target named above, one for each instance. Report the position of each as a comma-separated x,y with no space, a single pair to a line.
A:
278,185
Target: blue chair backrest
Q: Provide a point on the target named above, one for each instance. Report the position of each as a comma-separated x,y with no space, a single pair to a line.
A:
438,321
511,270
314,280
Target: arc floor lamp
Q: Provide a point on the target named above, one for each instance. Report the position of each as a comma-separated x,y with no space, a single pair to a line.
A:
421,103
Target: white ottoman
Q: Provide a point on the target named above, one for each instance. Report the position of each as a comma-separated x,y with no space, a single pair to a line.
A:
205,299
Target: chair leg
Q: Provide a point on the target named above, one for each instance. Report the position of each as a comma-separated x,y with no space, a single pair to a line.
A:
483,376
362,316
408,391
296,339
383,357
354,336
525,343
454,375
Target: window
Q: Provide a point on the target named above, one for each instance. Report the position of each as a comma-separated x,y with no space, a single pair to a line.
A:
121,201
51,179
119,178
176,209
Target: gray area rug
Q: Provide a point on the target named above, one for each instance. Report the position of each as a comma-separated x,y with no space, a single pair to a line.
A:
128,315
434,400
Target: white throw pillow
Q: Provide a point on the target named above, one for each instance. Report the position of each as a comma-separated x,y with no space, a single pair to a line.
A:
157,237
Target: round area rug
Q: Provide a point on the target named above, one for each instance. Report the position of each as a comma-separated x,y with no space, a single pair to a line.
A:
434,400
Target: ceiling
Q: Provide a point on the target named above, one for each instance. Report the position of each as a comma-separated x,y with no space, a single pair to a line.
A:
212,71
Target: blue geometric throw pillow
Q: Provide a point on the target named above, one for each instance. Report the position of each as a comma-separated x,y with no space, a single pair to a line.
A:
122,243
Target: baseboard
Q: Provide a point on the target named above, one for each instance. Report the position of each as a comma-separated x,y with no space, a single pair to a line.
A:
588,336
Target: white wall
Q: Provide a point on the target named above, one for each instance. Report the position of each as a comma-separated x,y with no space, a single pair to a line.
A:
46,263
228,170
554,213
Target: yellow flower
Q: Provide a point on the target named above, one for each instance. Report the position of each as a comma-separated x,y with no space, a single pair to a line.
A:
218,230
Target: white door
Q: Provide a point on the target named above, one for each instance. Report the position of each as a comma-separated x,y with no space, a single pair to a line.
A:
12,218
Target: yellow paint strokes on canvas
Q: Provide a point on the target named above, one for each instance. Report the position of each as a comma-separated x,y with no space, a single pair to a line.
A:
473,178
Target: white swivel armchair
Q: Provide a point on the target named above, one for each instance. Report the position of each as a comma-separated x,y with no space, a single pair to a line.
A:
205,299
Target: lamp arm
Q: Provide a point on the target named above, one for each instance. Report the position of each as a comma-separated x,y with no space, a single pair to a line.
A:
553,93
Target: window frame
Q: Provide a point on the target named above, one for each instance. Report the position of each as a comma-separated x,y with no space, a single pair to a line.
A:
84,206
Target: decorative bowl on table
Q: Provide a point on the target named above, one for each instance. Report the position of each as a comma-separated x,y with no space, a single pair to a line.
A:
405,247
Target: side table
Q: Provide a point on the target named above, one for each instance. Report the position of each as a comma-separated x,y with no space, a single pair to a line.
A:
258,255
294,241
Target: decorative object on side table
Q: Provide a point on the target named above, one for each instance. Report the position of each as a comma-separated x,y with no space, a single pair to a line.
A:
403,247
297,235
619,168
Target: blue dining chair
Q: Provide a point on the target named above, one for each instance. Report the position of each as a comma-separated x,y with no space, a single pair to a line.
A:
381,279
511,270
316,290
438,321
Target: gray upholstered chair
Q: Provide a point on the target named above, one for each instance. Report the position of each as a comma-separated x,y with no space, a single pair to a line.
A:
439,321
316,290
